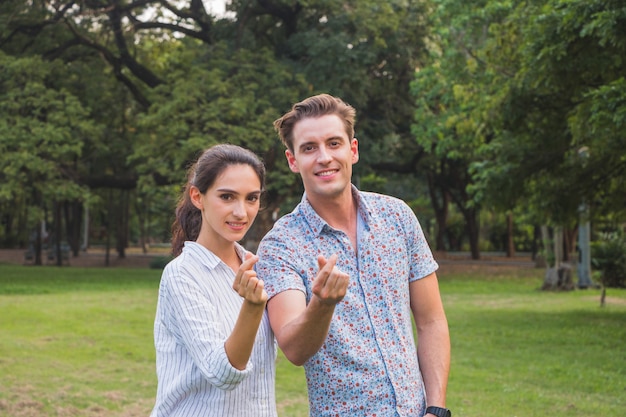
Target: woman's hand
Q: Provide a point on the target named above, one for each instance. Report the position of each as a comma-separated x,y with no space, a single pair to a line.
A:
247,284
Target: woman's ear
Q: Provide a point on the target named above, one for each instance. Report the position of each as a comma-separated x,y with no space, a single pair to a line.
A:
195,196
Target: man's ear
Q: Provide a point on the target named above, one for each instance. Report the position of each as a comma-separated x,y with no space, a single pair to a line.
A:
291,160
195,196
354,147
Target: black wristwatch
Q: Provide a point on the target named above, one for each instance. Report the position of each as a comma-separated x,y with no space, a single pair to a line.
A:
438,411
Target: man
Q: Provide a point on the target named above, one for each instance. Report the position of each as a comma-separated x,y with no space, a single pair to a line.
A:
344,271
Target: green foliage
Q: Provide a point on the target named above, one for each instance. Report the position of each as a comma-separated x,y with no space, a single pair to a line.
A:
213,96
160,262
608,255
557,120
43,129
365,52
504,96
372,182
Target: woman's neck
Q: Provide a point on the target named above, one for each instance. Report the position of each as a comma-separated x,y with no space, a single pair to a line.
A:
226,252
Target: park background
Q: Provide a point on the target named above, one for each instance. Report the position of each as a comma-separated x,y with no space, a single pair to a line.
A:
501,123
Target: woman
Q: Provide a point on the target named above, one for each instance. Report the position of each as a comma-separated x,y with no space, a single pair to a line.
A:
215,350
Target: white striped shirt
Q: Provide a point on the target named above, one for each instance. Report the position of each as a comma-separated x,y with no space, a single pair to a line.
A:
196,311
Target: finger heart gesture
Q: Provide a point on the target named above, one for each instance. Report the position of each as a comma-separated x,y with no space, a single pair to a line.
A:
247,284
331,284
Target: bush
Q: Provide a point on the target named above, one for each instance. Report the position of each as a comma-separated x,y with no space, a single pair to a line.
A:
609,257
159,262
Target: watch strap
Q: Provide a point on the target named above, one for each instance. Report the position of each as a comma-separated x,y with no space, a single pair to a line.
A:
438,411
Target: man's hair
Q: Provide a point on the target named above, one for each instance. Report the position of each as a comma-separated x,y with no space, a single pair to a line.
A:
314,107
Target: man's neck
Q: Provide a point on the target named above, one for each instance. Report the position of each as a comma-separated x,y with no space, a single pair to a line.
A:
340,213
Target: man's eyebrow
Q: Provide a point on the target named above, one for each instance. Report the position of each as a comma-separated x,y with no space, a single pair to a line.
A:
341,138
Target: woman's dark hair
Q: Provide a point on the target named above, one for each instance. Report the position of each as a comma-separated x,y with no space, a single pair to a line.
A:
202,175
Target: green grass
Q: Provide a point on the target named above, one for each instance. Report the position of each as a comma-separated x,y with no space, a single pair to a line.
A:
78,342
519,351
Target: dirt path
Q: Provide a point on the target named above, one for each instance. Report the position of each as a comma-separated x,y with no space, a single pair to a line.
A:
136,259
91,258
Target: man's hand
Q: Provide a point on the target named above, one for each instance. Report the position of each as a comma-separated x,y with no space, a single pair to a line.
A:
330,285
246,283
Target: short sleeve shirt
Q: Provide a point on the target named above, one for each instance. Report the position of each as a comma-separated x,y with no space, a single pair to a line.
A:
368,363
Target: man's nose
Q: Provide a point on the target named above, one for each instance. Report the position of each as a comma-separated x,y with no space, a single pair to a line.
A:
323,156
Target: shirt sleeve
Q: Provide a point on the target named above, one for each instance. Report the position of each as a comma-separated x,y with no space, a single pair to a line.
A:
423,262
197,321
278,264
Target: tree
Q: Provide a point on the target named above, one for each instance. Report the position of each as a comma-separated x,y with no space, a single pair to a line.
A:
365,52
450,92
565,100
41,131
227,96
243,95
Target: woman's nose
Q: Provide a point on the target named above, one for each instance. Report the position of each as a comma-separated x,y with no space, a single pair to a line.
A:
239,210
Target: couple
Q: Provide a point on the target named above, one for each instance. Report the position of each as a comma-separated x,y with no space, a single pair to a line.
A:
340,277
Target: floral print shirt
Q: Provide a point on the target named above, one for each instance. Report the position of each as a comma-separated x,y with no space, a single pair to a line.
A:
368,364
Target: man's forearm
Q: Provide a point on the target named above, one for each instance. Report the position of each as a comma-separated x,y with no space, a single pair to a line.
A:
302,337
434,359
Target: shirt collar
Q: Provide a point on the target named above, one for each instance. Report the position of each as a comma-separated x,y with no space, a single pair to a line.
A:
318,224
208,258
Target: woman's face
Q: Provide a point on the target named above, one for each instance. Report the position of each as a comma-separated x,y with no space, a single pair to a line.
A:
229,207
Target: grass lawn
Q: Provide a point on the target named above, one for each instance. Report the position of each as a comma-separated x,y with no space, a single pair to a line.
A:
78,342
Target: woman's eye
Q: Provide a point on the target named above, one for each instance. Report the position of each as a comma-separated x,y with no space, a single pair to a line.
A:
226,196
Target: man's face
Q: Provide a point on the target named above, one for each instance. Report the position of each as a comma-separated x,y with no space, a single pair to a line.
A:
323,155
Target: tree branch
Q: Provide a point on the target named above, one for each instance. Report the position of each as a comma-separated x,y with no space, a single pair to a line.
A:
140,71
114,62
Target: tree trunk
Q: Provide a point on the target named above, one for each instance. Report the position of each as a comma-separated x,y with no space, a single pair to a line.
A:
73,219
122,228
440,207
510,242
535,245
473,231
38,232
559,273
58,227
38,245
143,212
569,243
107,229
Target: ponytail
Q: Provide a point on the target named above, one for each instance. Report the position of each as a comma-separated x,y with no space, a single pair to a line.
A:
187,224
